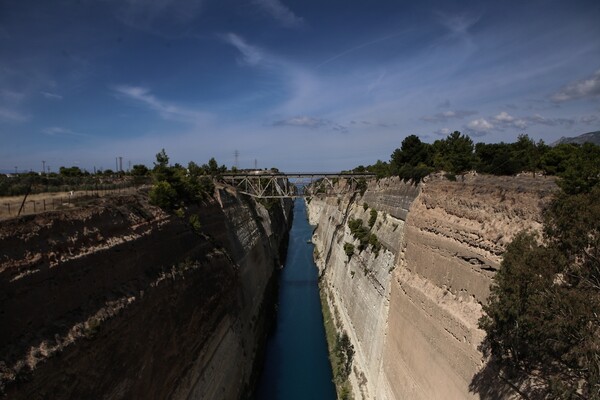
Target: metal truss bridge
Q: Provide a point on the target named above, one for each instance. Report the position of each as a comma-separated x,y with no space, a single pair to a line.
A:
265,184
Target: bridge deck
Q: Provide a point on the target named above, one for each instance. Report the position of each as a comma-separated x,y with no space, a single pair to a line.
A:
269,184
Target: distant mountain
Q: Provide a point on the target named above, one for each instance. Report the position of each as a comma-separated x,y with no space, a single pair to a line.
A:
590,137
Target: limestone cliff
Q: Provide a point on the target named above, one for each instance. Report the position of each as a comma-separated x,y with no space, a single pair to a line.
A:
120,300
411,310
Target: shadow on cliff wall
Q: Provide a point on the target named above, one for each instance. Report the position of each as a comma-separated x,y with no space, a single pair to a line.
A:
491,384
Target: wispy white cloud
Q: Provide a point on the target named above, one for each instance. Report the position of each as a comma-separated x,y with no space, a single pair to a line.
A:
448,115
147,15
370,123
281,13
443,132
310,122
251,55
9,115
165,109
589,119
480,126
12,96
506,120
301,86
458,24
541,120
584,89
59,131
358,47
51,96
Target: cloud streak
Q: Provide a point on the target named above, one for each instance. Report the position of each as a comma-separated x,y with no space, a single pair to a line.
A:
165,109
9,115
58,131
251,55
584,89
310,122
52,96
149,15
356,48
280,13
445,116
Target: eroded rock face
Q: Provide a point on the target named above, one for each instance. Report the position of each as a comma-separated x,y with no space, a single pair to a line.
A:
412,316
120,300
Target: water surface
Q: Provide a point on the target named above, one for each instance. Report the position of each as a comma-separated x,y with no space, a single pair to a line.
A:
296,363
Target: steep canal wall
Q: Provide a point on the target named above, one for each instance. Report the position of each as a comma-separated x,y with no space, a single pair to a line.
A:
120,300
411,307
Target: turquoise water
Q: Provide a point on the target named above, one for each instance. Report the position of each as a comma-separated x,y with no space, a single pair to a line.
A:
296,362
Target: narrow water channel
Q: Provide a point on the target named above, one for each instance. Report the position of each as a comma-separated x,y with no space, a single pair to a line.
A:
296,363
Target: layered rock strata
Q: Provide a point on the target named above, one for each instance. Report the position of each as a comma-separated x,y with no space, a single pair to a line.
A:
121,300
411,310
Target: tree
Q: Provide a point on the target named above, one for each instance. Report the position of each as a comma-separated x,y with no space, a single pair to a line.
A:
457,153
70,172
412,160
380,169
542,320
213,166
139,170
162,159
555,160
163,195
496,158
161,171
526,151
581,170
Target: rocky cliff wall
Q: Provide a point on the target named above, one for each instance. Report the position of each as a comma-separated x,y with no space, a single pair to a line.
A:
120,300
412,311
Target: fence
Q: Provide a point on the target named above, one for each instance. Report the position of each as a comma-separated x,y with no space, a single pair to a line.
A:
38,203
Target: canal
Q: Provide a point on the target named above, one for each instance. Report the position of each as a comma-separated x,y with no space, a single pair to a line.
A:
296,361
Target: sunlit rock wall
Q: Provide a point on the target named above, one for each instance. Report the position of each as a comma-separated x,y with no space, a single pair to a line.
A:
412,316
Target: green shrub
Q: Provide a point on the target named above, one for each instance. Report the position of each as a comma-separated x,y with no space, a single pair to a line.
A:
195,223
373,218
349,249
163,195
361,186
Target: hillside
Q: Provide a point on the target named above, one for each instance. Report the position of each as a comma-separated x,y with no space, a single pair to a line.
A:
590,137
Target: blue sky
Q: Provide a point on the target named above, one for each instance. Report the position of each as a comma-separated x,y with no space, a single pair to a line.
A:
302,85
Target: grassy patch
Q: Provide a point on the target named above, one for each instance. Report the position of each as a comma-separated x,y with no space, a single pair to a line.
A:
336,357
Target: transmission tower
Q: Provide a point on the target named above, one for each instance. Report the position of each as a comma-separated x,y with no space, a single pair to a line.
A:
237,156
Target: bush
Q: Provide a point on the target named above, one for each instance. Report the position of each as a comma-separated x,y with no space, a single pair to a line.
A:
349,249
361,186
163,195
375,244
195,223
373,218
344,350
542,317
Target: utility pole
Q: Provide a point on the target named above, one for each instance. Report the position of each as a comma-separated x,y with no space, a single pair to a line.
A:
43,166
237,155
120,164
255,163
